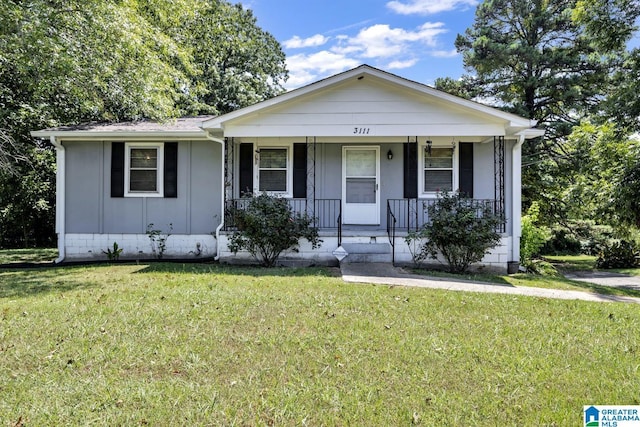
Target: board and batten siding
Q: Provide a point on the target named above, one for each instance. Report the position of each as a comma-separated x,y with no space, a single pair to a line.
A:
91,209
328,168
379,109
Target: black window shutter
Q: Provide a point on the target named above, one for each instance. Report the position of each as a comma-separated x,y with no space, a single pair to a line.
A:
465,159
117,169
300,170
171,169
246,168
410,151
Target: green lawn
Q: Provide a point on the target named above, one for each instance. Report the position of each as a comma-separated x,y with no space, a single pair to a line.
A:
535,281
172,344
32,255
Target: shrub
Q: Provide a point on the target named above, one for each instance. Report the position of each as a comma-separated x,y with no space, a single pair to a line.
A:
461,229
534,236
267,227
562,242
622,254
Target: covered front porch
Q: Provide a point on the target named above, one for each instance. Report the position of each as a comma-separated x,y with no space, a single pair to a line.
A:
365,153
402,216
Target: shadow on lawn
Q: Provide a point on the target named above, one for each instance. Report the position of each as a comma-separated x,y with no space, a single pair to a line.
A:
255,271
21,283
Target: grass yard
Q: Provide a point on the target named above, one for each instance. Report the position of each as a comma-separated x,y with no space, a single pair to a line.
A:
536,281
32,255
584,263
196,344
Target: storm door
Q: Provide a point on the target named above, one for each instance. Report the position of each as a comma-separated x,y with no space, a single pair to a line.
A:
361,176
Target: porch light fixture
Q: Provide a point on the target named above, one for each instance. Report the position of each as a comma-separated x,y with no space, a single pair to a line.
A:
389,155
429,144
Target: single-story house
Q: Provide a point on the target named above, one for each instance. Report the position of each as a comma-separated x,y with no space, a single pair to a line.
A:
364,152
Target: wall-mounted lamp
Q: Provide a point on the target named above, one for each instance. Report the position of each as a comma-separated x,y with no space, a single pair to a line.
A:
389,155
429,144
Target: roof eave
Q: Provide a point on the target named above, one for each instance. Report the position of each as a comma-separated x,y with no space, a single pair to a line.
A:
112,135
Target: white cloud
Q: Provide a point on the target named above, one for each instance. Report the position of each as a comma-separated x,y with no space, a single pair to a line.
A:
379,45
398,65
296,42
428,7
306,68
382,41
444,53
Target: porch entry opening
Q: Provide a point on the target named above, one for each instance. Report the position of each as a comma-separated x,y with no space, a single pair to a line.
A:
361,177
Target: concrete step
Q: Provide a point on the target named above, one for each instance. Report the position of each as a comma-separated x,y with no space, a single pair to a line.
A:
364,253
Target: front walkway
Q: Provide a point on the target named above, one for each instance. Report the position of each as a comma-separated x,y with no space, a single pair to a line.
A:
606,278
387,274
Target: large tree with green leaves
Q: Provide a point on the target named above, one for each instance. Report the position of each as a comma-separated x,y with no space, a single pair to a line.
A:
65,62
548,60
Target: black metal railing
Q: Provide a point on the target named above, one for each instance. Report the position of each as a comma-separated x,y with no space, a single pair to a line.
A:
326,213
391,230
412,214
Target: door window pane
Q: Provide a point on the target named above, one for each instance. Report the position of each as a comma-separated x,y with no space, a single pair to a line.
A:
361,163
361,190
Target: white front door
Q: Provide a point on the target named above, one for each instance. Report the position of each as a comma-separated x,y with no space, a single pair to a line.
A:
360,178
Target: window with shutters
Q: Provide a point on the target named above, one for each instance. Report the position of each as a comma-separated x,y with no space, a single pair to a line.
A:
274,170
143,170
438,170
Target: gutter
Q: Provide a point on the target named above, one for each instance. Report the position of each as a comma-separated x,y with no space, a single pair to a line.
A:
219,228
60,197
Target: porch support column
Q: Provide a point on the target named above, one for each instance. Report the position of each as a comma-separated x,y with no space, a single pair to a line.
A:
516,196
498,170
228,154
311,176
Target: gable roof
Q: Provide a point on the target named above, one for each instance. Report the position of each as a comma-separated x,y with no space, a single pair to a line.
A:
512,123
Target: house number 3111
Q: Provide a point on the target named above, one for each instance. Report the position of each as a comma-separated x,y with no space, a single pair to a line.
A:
361,131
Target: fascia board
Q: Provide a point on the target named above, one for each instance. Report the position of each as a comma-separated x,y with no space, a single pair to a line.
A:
102,135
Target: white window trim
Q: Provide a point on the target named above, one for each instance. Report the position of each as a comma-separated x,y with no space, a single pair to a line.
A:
454,179
127,169
256,168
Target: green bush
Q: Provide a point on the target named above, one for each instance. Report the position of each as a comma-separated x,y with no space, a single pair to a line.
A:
562,242
622,254
267,227
534,236
461,229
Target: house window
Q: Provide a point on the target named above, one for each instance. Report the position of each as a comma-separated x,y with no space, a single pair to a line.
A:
437,170
273,170
143,170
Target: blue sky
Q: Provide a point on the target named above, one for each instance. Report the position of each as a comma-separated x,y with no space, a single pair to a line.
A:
411,38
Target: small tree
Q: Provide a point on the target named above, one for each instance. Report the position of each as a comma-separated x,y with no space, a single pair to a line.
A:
461,229
534,235
267,227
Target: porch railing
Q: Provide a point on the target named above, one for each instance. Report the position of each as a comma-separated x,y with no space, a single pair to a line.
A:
412,214
391,230
326,214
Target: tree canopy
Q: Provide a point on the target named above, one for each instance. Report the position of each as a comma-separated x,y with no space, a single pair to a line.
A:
559,62
72,61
